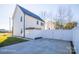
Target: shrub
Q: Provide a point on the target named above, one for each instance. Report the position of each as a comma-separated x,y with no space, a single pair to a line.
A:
70,25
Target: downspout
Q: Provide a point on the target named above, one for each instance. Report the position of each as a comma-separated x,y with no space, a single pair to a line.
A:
12,26
24,25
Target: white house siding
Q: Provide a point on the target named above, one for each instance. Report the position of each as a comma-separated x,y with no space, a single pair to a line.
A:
49,25
17,24
27,21
32,22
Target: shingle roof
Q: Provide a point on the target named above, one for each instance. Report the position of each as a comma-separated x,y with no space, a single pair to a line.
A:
25,11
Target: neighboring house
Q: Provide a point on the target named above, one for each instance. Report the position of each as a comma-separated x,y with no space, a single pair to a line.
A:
49,24
4,31
25,21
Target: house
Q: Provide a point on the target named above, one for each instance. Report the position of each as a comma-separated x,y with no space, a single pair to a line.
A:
25,21
3,31
49,25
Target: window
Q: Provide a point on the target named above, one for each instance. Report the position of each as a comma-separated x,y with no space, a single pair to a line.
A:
21,19
42,24
21,31
37,22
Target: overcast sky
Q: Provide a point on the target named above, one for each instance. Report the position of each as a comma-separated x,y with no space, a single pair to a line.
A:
6,11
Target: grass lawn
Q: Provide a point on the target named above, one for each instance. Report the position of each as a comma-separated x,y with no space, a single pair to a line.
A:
4,36
11,40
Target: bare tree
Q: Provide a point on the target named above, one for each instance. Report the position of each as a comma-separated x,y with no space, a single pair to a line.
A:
43,14
46,15
63,15
69,15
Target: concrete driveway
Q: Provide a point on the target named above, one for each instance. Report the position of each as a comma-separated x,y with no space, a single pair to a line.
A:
39,46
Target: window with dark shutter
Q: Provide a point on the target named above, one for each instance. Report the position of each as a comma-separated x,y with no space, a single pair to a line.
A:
21,31
42,24
21,19
37,22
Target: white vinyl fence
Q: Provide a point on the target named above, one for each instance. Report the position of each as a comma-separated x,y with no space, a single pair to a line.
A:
76,39
52,34
68,35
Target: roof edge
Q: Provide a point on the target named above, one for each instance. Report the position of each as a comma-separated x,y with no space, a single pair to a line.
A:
36,16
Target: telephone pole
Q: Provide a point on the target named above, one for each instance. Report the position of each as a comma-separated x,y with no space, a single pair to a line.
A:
9,23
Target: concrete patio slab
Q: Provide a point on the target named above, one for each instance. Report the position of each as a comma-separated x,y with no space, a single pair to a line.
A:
39,46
